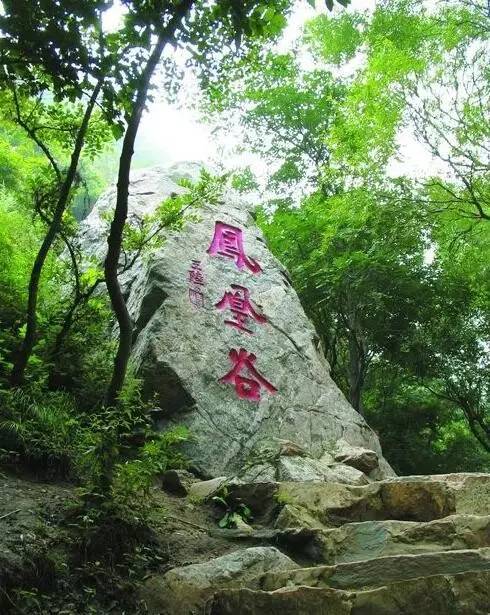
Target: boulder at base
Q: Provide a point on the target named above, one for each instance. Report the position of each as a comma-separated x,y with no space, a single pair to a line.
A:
222,339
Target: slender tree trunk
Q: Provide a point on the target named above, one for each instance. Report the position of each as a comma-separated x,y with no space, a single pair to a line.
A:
356,370
121,212
25,351
356,374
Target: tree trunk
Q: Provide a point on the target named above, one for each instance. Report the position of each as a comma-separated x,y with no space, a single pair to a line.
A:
25,351
121,212
356,374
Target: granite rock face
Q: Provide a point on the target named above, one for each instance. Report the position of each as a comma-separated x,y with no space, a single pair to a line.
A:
222,339
185,590
466,593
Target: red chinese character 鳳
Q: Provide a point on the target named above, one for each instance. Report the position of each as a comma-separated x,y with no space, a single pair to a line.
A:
228,241
195,273
241,307
246,387
196,297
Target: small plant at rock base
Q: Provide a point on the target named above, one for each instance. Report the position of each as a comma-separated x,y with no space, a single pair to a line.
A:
235,511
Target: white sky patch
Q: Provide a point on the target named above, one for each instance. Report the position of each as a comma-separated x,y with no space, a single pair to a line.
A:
413,158
112,19
170,134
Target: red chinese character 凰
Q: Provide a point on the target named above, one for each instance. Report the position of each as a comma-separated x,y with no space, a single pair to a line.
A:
196,297
228,241
195,273
246,387
241,307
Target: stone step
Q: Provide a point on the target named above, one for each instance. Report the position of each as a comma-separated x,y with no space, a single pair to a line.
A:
325,504
466,593
378,571
471,490
185,590
369,539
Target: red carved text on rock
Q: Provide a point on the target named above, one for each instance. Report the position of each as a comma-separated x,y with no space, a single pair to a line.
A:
249,386
228,242
195,277
239,304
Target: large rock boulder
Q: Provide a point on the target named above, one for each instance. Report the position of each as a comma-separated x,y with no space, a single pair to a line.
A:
221,337
185,590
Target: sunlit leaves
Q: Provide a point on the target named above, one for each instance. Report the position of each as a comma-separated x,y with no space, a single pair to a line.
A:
343,40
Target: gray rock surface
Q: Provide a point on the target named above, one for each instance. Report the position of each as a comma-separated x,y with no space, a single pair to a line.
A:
331,504
182,350
206,488
367,573
185,590
304,469
359,541
360,458
466,593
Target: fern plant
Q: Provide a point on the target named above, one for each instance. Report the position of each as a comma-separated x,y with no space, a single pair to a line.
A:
44,432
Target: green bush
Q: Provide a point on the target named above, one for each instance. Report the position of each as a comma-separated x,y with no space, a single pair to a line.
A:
42,428
131,489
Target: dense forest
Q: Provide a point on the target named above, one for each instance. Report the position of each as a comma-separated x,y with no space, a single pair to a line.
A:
369,141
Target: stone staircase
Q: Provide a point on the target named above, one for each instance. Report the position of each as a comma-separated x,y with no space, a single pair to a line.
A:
416,544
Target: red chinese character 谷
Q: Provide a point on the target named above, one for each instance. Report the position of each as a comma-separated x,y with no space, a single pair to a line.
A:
228,241
195,273
241,307
246,387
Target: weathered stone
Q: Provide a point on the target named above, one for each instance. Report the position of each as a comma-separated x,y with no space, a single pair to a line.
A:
417,500
177,482
290,449
286,461
182,350
185,590
360,458
287,601
307,469
296,517
340,473
259,473
206,488
327,459
369,539
333,504
471,491
422,498
318,504
300,469
373,572
466,593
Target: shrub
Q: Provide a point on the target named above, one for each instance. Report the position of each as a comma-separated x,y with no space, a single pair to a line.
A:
42,427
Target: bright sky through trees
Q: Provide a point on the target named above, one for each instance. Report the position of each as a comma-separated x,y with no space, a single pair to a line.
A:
188,138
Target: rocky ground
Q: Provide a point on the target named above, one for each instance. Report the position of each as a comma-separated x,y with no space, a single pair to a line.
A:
400,546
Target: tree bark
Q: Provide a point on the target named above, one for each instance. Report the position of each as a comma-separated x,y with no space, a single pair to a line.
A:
25,351
356,374
121,212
